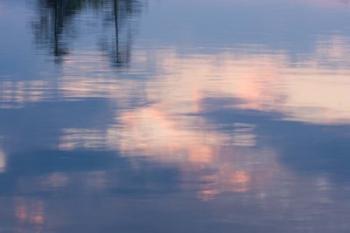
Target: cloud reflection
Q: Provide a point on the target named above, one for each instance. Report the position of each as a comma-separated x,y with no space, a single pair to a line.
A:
168,128
3,161
231,127
29,213
264,82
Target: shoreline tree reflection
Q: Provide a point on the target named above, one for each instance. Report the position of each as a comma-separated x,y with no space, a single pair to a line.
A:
55,28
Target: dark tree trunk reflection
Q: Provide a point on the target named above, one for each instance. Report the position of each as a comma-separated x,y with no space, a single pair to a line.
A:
54,25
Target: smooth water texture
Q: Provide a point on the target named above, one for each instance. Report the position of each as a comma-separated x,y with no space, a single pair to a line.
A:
176,116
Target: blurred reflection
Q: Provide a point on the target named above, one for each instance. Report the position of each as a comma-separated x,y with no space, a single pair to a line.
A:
172,127
29,213
32,212
55,24
14,94
3,161
123,33
240,135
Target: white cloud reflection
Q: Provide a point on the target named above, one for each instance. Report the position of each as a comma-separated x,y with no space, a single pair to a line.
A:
314,90
166,127
157,106
3,161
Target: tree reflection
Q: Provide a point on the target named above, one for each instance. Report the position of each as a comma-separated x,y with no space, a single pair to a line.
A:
54,26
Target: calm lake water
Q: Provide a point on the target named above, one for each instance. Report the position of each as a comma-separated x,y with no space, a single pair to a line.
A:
174,116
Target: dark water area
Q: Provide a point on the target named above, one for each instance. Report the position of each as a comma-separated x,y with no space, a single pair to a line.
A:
177,116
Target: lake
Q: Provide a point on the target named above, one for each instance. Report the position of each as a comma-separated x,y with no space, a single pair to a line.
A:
176,116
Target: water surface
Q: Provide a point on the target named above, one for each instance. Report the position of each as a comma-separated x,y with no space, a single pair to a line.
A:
174,116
